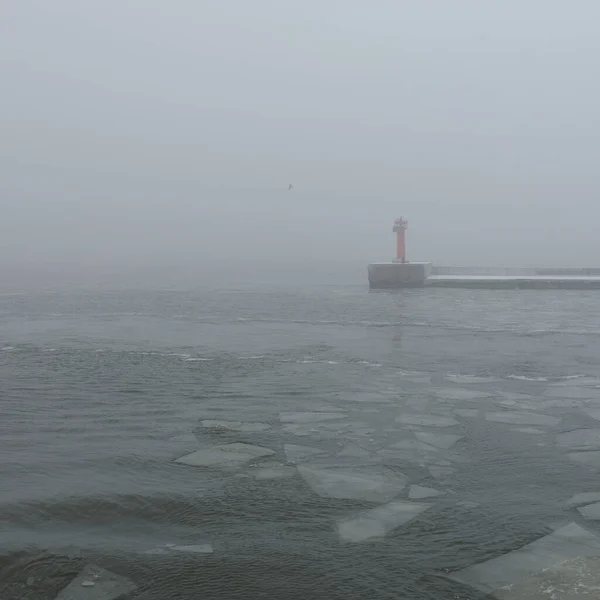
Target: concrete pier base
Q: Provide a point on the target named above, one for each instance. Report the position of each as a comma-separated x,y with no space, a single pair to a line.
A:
393,275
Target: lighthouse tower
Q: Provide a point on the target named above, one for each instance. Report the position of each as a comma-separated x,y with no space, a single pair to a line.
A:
400,226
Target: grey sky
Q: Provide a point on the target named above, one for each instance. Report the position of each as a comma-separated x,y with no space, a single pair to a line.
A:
146,130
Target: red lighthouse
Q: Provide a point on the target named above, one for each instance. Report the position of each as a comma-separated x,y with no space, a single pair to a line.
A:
400,226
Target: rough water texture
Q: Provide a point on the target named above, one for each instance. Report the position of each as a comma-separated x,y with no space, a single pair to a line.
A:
340,443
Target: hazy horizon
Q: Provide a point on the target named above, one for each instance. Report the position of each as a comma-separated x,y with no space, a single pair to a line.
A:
143,133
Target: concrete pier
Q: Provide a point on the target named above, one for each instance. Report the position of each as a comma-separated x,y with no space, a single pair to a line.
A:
394,275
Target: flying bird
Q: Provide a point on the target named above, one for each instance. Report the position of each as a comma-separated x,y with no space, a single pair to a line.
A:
290,186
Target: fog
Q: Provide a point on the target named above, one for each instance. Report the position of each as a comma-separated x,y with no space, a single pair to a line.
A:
146,132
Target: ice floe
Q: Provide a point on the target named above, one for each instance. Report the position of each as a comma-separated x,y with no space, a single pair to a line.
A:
443,441
568,542
529,430
460,394
374,483
353,450
192,549
276,471
295,453
466,413
440,472
583,498
591,511
234,426
580,439
594,413
310,417
591,459
574,579
522,418
224,456
463,379
97,584
375,523
426,420
574,393
416,492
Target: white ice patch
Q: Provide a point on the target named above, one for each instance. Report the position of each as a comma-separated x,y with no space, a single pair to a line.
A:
444,441
592,512
229,455
375,523
309,417
374,484
235,426
580,439
522,418
426,420
416,492
466,413
567,542
106,585
583,498
295,453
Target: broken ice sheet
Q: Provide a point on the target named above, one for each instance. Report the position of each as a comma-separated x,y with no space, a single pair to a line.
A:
375,523
426,420
568,542
439,472
229,455
353,450
574,393
462,379
522,418
530,430
275,471
591,459
467,413
374,483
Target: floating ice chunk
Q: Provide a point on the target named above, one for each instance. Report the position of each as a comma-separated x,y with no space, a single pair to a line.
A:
274,472
440,472
591,511
375,484
570,541
522,418
185,438
224,456
460,394
515,396
574,393
583,498
581,439
418,445
575,579
375,523
594,413
531,430
235,426
467,413
107,585
195,549
417,492
591,459
353,450
462,379
426,420
309,417
295,453
439,440
468,504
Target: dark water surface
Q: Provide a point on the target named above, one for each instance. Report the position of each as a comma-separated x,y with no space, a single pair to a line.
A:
101,391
